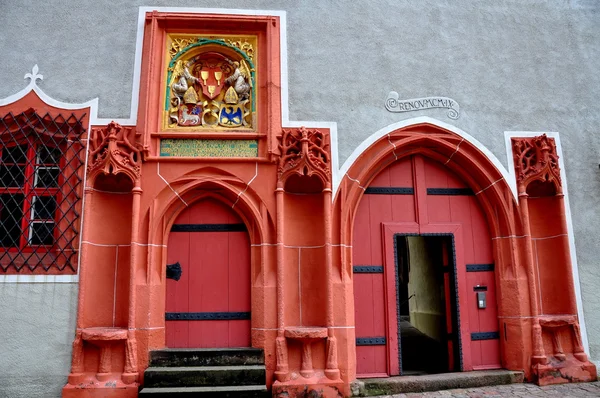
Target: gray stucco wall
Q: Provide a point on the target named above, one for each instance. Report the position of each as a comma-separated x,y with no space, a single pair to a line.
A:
37,325
511,65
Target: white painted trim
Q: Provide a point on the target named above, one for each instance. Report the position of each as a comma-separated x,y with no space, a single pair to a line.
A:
575,269
32,86
39,278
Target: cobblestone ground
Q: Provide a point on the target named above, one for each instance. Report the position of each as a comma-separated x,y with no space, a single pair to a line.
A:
513,390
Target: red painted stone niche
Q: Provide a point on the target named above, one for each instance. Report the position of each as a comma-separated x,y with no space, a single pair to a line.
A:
558,355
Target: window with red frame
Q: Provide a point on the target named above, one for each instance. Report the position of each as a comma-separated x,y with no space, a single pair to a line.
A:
40,184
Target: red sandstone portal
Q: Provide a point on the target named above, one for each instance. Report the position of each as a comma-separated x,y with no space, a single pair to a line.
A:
297,257
208,305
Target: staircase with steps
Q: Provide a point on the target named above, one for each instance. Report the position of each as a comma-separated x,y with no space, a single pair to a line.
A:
210,372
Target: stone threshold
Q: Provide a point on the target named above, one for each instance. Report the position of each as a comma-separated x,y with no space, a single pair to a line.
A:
434,382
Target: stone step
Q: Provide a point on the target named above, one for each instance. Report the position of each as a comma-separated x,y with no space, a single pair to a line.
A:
218,392
198,376
206,357
435,382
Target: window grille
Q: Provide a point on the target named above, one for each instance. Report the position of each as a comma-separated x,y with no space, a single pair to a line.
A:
41,175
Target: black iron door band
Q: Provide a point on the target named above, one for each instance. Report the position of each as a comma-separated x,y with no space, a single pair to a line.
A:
389,191
208,228
370,341
450,191
485,336
480,267
206,316
368,269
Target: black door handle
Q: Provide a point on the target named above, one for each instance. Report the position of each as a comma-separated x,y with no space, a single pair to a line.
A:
174,271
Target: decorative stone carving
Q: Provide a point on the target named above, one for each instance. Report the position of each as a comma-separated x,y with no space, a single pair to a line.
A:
211,83
130,372
282,372
306,335
561,366
395,105
77,360
570,325
331,369
305,153
34,76
112,152
536,159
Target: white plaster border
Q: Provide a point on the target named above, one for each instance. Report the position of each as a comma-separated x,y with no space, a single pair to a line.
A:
574,266
39,278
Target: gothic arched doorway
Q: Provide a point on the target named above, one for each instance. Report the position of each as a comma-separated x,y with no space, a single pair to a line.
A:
422,262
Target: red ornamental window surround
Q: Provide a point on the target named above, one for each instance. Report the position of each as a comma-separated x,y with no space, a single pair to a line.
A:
41,173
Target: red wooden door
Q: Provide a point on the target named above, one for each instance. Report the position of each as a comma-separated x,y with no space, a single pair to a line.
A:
422,192
449,199
209,306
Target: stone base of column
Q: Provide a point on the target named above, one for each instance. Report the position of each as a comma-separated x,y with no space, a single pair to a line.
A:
316,386
571,370
90,387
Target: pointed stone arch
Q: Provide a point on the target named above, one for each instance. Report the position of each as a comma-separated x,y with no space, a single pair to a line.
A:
491,184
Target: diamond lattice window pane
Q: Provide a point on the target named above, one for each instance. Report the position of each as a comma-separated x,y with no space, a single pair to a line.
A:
11,213
41,169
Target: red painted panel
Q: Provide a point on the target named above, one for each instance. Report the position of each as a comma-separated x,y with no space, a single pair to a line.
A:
380,209
215,278
460,212
371,361
369,309
177,291
436,176
382,179
482,241
361,242
438,208
401,173
403,208
363,305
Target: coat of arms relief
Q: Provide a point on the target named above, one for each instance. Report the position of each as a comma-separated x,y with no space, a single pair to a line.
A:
211,83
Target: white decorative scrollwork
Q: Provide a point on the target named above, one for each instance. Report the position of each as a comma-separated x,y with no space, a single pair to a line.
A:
393,104
33,76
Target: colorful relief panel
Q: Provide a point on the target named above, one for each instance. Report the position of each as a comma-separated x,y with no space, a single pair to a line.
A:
210,83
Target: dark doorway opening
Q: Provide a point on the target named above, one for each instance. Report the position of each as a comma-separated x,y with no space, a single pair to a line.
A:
428,332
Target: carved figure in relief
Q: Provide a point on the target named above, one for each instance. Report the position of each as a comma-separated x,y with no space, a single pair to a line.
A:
190,115
211,90
231,113
184,110
240,80
182,83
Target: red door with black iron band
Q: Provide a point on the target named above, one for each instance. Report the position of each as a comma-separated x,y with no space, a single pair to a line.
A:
209,306
418,196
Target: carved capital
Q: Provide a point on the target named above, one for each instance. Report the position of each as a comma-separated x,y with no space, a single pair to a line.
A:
536,159
306,153
113,150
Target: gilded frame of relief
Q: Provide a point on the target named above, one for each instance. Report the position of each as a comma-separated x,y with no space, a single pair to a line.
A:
211,83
